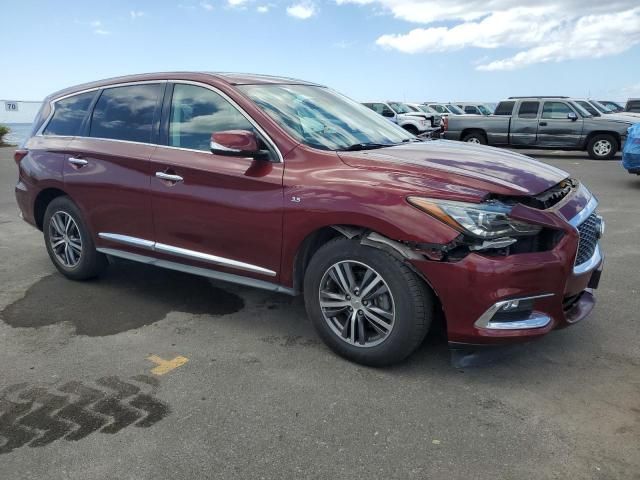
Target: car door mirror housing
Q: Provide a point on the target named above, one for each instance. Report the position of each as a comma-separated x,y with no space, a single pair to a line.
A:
572,116
388,114
237,143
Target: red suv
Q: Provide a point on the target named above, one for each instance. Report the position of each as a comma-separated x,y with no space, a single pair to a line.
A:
289,186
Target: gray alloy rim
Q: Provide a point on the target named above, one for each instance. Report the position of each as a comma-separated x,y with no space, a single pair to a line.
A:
473,140
602,148
65,239
357,304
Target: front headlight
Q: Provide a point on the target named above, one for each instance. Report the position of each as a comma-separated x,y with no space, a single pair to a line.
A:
482,220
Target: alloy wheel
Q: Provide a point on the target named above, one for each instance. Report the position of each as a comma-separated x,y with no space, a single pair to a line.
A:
65,239
474,140
602,148
357,304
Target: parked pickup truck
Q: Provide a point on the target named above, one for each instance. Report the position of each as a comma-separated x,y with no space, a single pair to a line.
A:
542,122
417,123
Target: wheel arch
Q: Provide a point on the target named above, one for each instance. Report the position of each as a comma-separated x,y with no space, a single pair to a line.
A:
42,201
592,134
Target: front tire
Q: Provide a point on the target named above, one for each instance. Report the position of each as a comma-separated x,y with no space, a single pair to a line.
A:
602,147
413,130
365,304
476,138
69,243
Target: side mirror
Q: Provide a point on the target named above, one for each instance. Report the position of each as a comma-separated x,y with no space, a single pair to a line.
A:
572,116
388,114
237,143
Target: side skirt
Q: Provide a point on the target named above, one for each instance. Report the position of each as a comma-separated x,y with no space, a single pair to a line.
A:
203,272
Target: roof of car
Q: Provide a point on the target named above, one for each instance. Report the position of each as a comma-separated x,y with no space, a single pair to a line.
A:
226,77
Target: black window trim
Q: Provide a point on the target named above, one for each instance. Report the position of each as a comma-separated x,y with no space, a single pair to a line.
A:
99,89
83,123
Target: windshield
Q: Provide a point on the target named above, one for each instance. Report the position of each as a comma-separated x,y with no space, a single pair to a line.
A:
581,110
588,107
426,109
324,119
453,109
615,107
600,107
484,110
400,107
439,108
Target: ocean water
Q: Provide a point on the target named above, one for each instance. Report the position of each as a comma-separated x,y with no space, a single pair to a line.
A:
18,133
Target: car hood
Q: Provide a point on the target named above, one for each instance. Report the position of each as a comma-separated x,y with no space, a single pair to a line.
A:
475,166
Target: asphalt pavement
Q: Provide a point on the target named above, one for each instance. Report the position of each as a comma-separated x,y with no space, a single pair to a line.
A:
150,374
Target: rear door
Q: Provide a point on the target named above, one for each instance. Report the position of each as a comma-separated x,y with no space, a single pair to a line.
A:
524,125
218,211
555,128
108,168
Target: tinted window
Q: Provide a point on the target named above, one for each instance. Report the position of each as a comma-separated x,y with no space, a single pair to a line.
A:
528,109
556,110
69,114
126,113
470,109
196,113
504,108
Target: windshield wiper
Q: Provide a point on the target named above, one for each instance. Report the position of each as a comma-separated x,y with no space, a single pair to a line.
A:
364,146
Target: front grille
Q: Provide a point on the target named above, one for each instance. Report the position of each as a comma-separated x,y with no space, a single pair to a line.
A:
588,231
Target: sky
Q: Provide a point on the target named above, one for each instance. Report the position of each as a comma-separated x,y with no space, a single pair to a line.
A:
407,50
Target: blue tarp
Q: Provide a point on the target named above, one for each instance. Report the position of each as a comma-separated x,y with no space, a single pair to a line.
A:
631,150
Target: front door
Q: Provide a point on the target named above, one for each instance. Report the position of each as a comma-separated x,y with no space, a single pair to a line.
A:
556,129
214,211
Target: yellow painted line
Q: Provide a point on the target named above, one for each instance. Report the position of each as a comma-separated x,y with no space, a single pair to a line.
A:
165,366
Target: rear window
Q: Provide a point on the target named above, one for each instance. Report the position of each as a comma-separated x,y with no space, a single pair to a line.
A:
126,113
69,114
528,109
504,108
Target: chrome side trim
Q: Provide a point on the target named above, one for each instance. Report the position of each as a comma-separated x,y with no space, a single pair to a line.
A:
185,253
133,241
203,272
589,264
534,320
225,262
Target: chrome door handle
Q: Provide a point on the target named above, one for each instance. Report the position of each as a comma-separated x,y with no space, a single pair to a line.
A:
79,162
169,177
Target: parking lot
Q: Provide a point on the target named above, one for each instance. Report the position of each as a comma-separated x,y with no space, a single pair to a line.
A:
189,378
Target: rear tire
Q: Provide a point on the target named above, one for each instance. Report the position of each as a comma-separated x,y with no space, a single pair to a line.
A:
602,147
475,137
400,299
69,243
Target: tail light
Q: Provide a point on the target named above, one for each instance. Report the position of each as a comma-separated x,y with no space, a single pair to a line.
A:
19,155
445,124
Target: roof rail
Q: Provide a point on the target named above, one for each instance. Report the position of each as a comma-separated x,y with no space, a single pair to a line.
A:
540,96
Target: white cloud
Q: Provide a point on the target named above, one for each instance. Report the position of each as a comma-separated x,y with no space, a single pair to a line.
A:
236,3
136,14
207,6
302,10
98,28
262,9
540,31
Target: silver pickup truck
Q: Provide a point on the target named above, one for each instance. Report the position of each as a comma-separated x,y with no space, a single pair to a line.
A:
542,122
